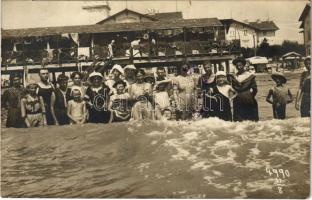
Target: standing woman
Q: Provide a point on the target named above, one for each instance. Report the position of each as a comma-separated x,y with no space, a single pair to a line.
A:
97,95
140,95
45,90
59,101
186,89
304,91
206,83
119,103
11,99
245,106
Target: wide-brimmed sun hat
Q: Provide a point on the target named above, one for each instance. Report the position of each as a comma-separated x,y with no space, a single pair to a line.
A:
118,68
239,59
95,74
280,75
220,73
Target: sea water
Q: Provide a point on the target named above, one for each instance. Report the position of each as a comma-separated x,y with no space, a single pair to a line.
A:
208,158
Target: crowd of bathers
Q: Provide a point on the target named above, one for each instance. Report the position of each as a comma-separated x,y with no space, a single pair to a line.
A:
131,93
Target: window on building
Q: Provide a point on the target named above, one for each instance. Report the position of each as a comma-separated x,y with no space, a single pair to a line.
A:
264,33
245,32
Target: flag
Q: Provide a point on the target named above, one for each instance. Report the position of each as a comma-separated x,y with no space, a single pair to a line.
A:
14,48
75,37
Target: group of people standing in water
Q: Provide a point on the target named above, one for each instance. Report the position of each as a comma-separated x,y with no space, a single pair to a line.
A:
129,93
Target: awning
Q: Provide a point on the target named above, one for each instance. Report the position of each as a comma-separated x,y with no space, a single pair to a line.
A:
257,60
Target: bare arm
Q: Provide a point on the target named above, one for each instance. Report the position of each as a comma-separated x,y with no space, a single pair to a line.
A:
298,99
290,97
268,98
43,111
52,108
84,111
23,112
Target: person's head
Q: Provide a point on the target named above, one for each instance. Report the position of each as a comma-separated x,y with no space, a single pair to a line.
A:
31,87
117,71
208,68
96,79
184,69
196,70
140,76
120,86
307,63
76,78
130,71
62,81
149,78
167,114
76,93
279,78
161,72
16,80
175,87
240,64
44,75
220,78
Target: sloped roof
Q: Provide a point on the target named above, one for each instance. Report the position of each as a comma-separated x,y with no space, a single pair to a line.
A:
126,11
167,15
230,21
305,12
115,27
264,25
291,54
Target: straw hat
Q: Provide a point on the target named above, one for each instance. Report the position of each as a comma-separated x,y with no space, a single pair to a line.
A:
280,75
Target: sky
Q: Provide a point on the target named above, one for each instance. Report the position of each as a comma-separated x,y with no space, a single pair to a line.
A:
31,14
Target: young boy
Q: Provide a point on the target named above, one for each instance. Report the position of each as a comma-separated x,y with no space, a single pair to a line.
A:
32,107
76,108
280,95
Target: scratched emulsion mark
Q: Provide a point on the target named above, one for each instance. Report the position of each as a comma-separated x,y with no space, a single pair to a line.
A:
202,159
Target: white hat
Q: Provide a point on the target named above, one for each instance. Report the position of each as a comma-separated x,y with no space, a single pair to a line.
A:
118,68
93,74
220,73
130,67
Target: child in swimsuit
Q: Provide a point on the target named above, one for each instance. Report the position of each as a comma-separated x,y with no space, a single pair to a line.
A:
32,107
77,108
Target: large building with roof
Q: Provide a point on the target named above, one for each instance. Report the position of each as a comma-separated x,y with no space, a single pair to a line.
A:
306,28
250,34
265,30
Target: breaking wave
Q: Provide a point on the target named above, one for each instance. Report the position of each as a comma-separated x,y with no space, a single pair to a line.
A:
209,158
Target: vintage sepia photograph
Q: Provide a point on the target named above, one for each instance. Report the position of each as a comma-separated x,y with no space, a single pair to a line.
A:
155,99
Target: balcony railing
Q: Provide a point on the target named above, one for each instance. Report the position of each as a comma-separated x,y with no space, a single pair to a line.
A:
125,50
